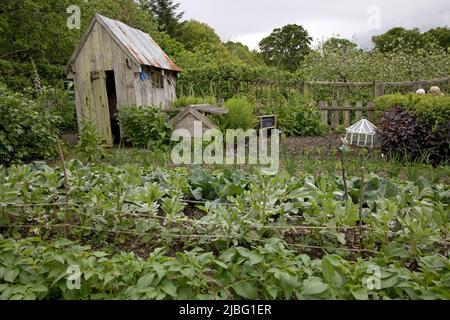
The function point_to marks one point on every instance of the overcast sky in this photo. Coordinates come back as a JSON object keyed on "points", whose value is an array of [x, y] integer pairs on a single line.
{"points": [[248, 21]]}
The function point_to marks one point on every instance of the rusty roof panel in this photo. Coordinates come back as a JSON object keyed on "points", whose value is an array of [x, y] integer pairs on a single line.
{"points": [[140, 45]]}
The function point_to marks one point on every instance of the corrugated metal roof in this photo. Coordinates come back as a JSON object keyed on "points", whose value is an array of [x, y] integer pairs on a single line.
{"points": [[139, 44]]}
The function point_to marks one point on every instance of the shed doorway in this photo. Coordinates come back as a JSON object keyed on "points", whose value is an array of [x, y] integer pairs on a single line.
{"points": [[112, 102]]}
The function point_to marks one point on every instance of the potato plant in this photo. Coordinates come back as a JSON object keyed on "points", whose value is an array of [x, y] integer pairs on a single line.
{"points": [[145, 233]]}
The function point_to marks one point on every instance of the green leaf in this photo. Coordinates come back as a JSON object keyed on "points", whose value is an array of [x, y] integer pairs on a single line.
{"points": [[145, 281], [169, 288], [253, 257], [246, 290], [10, 275], [360, 293], [314, 286], [39, 288]]}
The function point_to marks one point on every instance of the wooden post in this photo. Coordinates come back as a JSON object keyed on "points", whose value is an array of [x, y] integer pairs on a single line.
{"points": [[358, 111], [379, 89], [335, 114], [323, 106], [371, 112], [66, 187], [346, 113]]}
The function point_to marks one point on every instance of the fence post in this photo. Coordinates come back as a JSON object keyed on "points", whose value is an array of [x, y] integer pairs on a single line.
{"points": [[379, 89]]}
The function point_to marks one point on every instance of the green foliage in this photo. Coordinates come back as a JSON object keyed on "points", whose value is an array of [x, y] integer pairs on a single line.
{"points": [[194, 33], [185, 101], [37, 29], [241, 115], [358, 65], [337, 44], [230, 79], [296, 114], [27, 130], [286, 47], [398, 39], [59, 102], [433, 110], [241, 234], [144, 127], [34, 269], [243, 53], [442, 36], [88, 148], [166, 13]]}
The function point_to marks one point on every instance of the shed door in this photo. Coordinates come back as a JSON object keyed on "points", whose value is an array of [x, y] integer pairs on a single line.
{"points": [[98, 79]]}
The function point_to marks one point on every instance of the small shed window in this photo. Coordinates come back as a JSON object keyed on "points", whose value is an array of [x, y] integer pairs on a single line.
{"points": [[155, 76], [157, 79]]}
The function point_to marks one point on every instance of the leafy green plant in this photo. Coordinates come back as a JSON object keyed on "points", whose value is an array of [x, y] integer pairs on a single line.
{"points": [[59, 102], [89, 148], [144, 127], [27, 131], [432, 110], [241, 115], [296, 114]]}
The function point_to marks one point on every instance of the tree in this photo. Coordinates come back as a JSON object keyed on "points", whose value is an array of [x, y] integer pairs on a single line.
{"points": [[286, 47], [442, 36], [336, 44], [194, 33], [166, 13], [401, 39], [243, 53]]}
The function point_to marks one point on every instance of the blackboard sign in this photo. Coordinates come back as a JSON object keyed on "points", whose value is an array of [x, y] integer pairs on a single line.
{"points": [[268, 122]]}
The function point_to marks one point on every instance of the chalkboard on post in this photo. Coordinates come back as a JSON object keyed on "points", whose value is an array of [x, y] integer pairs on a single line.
{"points": [[268, 122]]}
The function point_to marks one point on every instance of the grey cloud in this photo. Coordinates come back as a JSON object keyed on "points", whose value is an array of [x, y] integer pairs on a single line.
{"points": [[250, 20]]}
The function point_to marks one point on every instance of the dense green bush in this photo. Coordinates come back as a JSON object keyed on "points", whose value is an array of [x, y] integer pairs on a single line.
{"points": [[405, 135], [144, 127], [296, 115], [60, 102], [27, 131], [433, 110], [231, 79], [241, 115], [19, 76]]}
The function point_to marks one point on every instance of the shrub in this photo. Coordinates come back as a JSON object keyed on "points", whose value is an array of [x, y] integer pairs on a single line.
{"points": [[296, 115], [241, 115], [403, 134], [59, 102], [88, 148], [144, 127], [27, 131], [185, 101], [433, 110]]}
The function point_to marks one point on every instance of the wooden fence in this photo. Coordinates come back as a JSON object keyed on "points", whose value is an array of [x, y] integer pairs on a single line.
{"points": [[229, 87], [380, 88], [335, 115]]}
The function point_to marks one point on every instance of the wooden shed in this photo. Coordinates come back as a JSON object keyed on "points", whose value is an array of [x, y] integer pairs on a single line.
{"points": [[116, 65]]}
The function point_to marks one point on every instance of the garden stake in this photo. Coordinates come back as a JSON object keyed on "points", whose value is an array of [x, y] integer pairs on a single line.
{"points": [[361, 200], [66, 187]]}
